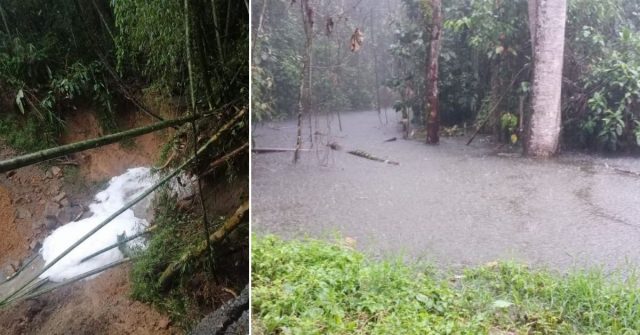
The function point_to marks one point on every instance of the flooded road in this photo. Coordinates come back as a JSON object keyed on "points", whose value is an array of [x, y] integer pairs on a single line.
{"points": [[451, 204]]}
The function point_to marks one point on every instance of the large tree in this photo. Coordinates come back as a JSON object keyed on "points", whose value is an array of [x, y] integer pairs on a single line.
{"points": [[547, 24]]}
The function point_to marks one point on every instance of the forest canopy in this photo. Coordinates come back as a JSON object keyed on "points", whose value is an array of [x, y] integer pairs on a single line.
{"points": [[485, 72]]}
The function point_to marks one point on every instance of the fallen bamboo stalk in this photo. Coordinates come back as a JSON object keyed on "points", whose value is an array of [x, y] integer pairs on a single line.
{"points": [[47, 154], [225, 158], [230, 225], [627, 172], [275, 150], [28, 289], [71, 281], [119, 243], [15, 274], [360, 153], [131, 203]]}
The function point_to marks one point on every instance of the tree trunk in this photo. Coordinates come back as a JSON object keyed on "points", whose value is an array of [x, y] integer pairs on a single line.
{"points": [[432, 116], [305, 93], [548, 53], [375, 67]]}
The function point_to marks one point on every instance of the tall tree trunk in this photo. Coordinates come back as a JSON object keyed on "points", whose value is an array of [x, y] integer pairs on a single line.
{"points": [[548, 54], [305, 94], [258, 31], [432, 115]]}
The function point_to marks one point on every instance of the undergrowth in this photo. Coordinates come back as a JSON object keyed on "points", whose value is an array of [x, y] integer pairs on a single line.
{"points": [[314, 287], [175, 234], [26, 134]]}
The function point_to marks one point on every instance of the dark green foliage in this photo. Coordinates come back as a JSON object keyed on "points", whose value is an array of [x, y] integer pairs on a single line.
{"points": [[26, 134], [48, 61], [312, 287]]}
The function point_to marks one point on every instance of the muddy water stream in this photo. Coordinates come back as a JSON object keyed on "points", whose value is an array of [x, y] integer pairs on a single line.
{"points": [[451, 204]]}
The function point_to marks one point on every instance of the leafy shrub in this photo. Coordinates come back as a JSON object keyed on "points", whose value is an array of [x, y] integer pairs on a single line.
{"points": [[313, 287]]}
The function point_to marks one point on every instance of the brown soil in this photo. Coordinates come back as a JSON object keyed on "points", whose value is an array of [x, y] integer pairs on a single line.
{"points": [[10, 248], [111, 160], [23, 194], [97, 306]]}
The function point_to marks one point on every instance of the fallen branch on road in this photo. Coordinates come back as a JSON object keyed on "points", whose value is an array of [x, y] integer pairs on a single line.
{"points": [[360, 153]]}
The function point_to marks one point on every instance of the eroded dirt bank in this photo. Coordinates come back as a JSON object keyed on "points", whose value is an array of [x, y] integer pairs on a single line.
{"points": [[35, 200], [452, 204]]}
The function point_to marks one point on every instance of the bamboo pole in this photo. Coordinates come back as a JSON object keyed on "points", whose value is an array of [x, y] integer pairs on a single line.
{"points": [[217, 29], [70, 281], [225, 158], [194, 130], [47, 154], [26, 265], [119, 243], [230, 225], [275, 150], [131, 203]]}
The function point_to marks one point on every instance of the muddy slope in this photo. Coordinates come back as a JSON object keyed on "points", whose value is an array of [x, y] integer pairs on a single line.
{"points": [[35, 200]]}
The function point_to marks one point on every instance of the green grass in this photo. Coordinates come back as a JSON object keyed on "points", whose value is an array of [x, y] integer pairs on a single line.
{"points": [[314, 287]]}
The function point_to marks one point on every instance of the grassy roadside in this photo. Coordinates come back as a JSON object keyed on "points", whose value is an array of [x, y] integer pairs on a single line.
{"points": [[314, 287]]}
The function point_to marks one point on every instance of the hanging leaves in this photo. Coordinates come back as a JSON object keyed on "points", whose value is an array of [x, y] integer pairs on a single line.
{"points": [[356, 40]]}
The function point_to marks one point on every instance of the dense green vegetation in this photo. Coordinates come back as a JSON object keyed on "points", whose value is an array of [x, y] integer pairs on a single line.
{"points": [[485, 65], [56, 57], [313, 287], [45, 67]]}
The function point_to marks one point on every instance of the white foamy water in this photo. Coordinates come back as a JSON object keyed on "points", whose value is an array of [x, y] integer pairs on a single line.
{"points": [[121, 190]]}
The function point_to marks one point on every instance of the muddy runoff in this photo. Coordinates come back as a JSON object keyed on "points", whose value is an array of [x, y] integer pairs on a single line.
{"points": [[452, 205]]}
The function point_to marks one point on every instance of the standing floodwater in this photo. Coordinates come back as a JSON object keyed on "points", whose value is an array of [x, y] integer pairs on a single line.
{"points": [[452, 204]]}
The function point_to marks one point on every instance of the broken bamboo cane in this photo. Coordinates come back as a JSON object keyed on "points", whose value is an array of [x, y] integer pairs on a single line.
{"points": [[230, 225], [275, 150], [47, 154], [93, 272]]}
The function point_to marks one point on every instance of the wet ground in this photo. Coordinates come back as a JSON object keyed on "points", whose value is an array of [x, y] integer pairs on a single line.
{"points": [[451, 204]]}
